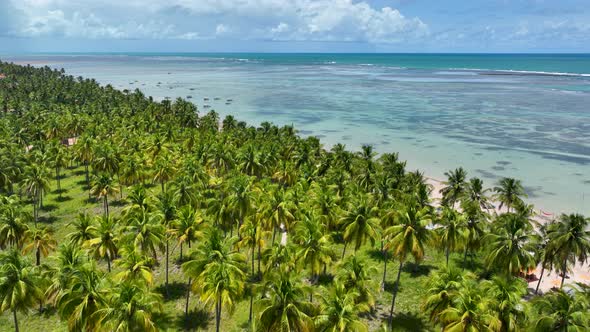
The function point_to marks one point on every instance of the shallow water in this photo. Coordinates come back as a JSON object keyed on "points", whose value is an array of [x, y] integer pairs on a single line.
{"points": [[525, 116]]}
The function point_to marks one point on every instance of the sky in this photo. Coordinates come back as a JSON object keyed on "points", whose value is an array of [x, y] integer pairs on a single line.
{"points": [[450, 26]]}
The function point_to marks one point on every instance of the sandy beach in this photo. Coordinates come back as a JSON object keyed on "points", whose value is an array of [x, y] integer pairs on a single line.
{"points": [[579, 273]]}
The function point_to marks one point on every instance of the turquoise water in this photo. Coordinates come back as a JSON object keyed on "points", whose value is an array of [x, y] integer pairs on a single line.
{"points": [[525, 116]]}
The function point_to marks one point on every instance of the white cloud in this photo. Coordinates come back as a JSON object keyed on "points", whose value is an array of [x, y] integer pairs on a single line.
{"points": [[334, 20]]}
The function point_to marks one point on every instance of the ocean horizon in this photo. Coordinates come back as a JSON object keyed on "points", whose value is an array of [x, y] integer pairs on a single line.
{"points": [[519, 115]]}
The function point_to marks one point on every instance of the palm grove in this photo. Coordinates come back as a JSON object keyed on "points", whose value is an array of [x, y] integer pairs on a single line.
{"points": [[155, 215]]}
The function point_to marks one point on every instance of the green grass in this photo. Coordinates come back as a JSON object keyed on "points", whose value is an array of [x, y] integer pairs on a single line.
{"points": [[58, 212]]}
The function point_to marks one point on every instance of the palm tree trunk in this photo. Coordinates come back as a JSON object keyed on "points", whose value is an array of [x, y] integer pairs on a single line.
{"points": [[251, 304], [395, 289], [259, 256], [167, 256], [38, 256], [218, 314], [540, 277], [180, 251], [564, 272], [274, 233], [344, 250], [384, 270], [87, 174], [447, 254], [464, 258], [109, 263], [106, 206], [15, 320], [188, 295], [58, 180], [162, 184], [252, 258]]}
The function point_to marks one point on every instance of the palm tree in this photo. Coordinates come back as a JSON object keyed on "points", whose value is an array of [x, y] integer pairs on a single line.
{"points": [[104, 244], [475, 192], [19, 284], [146, 232], [135, 265], [166, 207], [339, 311], [443, 287], [283, 307], [186, 227], [452, 232], [512, 245], [408, 237], [467, 312], [505, 303], [561, 311], [314, 243], [355, 275], [13, 227], [36, 183], [164, 169], [84, 229], [103, 187], [60, 159], [129, 307], [84, 296], [545, 251], [360, 224], [455, 187], [41, 241], [84, 152], [509, 192], [218, 273], [570, 241]]}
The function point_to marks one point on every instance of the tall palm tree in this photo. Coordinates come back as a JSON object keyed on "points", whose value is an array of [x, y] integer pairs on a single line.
{"points": [[135, 266], [164, 169], [509, 192], [360, 224], [408, 237], [467, 312], [84, 152], [355, 275], [104, 245], [512, 245], [85, 295], [314, 245], [218, 273], [167, 211], [36, 184], [129, 307], [570, 241], [41, 242], [443, 287], [505, 303], [561, 311], [339, 311], [83, 227], [476, 193], [19, 284], [451, 232], [283, 307], [13, 226], [60, 159], [102, 187], [455, 187], [186, 227], [146, 232]]}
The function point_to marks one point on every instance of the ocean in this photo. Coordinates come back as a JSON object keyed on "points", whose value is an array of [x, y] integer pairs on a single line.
{"points": [[520, 115]]}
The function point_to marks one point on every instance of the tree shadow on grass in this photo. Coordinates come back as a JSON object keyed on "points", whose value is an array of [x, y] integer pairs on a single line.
{"points": [[408, 321], [389, 286], [47, 219], [118, 203], [325, 279], [79, 172], [62, 199], [82, 183], [90, 200], [418, 270], [197, 319], [49, 207], [59, 191], [176, 290]]}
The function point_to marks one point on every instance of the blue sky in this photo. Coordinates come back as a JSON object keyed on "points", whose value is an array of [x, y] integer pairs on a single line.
{"points": [[294, 26]]}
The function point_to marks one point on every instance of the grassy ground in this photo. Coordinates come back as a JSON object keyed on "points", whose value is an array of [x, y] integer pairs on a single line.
{"points": [[59, 211]]}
